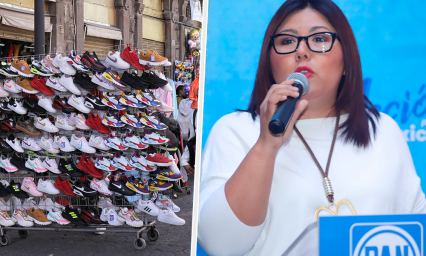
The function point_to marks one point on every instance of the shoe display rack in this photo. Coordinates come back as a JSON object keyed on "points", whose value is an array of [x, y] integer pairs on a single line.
{"points": [[82, 145]]}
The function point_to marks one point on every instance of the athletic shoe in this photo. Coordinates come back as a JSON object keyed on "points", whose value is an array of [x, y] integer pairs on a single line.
{"points": [[111, 101], [158, 185], [120, 187], [4, 147], [79, 121], [21, 218], [63, 144], [113, 60], [67, 82], [16, 106], [111, 217], [133, 141], [85, 164], [62, 122], [48, 145], [92, 217], [147, 206], [62, 105], [65, 67], [121, 162], [112, 77], [14, 143], [8, 125], [102, 82], [152, 122], [81, 144], [73, 216], [62, 203], [45, 125], [78, 103], [53, 82], [47, 187], [46, 204], [83, 189], [5, 69], [147, 99], [51, 165], [167, 175], [173, 167], [38, 69], [10, 85], [47, 63], [130, 217], [158, 159], [35, 165], [24, 124], [164, 202], [129, 99], [96, 123], [46, 103], [166, 87], [169, 217], [101, 187], [7, 165], [69, 168], [75, 61], [140, 162], [64, 186], [115, 143], [15, 189], [3, 193], [132, 80], [56, 216], [19, 160], [84, 81], [3, 93], [112, 121], [154, 139], [98, 142], [29, 203], [38, 217], [23, 84], [137, 187], [92, 61], [131, 57], [104, 164], [106, 203], [4, 108], [5, 219], [40, 84], [151, 80], [32, 105], [21, 67], [153, 58], [94, 102], [131, 120]]}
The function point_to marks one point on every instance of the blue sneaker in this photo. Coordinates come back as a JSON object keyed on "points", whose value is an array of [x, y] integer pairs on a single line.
{"points": [[147, 99], [112, 121], [131, 120], [129, 99], [111, 101]]}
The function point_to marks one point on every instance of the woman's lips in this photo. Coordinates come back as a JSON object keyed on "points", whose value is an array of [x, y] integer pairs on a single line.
{"points": [[307, 71]]}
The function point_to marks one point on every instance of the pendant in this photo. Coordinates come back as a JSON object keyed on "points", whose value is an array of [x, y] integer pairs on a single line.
{"points": [[327, 208]]}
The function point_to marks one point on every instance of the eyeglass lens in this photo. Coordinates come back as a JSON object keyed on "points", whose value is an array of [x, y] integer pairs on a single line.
{"points": [[319, 42]]}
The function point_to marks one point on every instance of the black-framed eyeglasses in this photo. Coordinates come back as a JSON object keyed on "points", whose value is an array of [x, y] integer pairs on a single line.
{"points": [[318, 42]]}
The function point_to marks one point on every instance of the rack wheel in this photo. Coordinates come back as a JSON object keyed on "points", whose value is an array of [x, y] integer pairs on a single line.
{"points": [[188, 192], [5, 240], [140, 244], [153, 234], [23, 233]]}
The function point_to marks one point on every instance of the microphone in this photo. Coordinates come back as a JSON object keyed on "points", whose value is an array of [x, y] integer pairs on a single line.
{"points": [[281, 118]]}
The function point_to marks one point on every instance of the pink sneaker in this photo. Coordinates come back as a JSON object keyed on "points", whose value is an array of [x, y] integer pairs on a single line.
{"points": [[29, 186], [3, 93], [47, 63]]}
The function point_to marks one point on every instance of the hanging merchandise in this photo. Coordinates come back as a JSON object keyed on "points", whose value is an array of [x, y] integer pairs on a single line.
{"points": [[194, 41], [193, 93], [196, 13]]}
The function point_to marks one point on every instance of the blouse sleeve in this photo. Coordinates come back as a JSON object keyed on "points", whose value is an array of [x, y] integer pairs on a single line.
{"points": [[220, 232]]}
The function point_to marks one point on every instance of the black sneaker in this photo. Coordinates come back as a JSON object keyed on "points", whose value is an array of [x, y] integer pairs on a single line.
{"points": [[5, 70], [151, 80], [132, 80], [84, 81], [92, 61], [176, 187], [62, 105], [4, 108], [15, 189], [32, 105], [92, 217], [94, 102], [73, 216], [82, 188], [120, 187], [69, 168], [19, 161], [9, 126], [4, 147], [3, 190]]}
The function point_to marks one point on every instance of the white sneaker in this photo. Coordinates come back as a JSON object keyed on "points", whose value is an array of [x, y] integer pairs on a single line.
{"points": [[169, 217], [75, 61], [5, 219], [56, 216], [130, 217], [98, 142], [63, 65], [10, 85], [67, 82], [14, 143], [62, 122], [45, 125], [166, 87], [63, 144], [53, 82], [46, 103], [173, 167], [35, 165], [114, 61], [133, 141], [21, 218], [16, 106], [78, 103], [99, 80], [79, 121], [147, 206], [30, 144], [46, 204], [100, 186], [5, 164], [111, 217], [81, 144], [51, 165], [104, 164], [164, 202], [28, 203], [47, 187], [47, 144]]}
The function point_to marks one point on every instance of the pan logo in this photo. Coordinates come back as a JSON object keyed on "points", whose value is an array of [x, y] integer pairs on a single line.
{"points": [[386, 239]]}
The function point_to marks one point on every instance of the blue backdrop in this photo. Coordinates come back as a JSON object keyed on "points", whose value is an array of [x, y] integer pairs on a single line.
{"points": [[391, 40]]}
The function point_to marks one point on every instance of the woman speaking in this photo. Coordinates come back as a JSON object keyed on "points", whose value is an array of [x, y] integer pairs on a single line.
{"points": [[260, 191]]}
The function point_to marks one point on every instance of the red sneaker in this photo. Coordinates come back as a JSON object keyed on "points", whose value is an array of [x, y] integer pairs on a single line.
{"points": [[131, 57], [62, 203], [86, 165], [40, 84], [64, 186], [158, 159], [96, 123]]}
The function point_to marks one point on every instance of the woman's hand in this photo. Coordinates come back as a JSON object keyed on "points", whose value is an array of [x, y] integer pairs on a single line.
{"points": [[277, 93]]}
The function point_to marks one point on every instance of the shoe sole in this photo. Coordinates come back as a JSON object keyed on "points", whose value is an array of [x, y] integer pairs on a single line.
{"points": [[20, 72], [26, 131], [38, 222], [158, 164], [25, 90]]}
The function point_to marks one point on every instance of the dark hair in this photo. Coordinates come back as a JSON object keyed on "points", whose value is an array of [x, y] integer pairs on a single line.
{"points": [[179, 88], [350, 94]]}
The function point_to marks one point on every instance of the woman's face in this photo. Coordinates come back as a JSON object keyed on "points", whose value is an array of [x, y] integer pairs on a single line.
{"points": [[327, 67]]}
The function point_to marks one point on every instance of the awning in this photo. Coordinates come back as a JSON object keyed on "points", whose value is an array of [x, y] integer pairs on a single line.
{"points": [[22, 20], [104, 32]]}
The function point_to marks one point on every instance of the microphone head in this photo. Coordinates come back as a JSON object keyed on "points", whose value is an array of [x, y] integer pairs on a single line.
{"points": [[301, 79]]}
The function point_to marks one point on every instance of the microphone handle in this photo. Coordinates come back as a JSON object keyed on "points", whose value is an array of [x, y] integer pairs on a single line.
{"points": [[282, 117]]}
